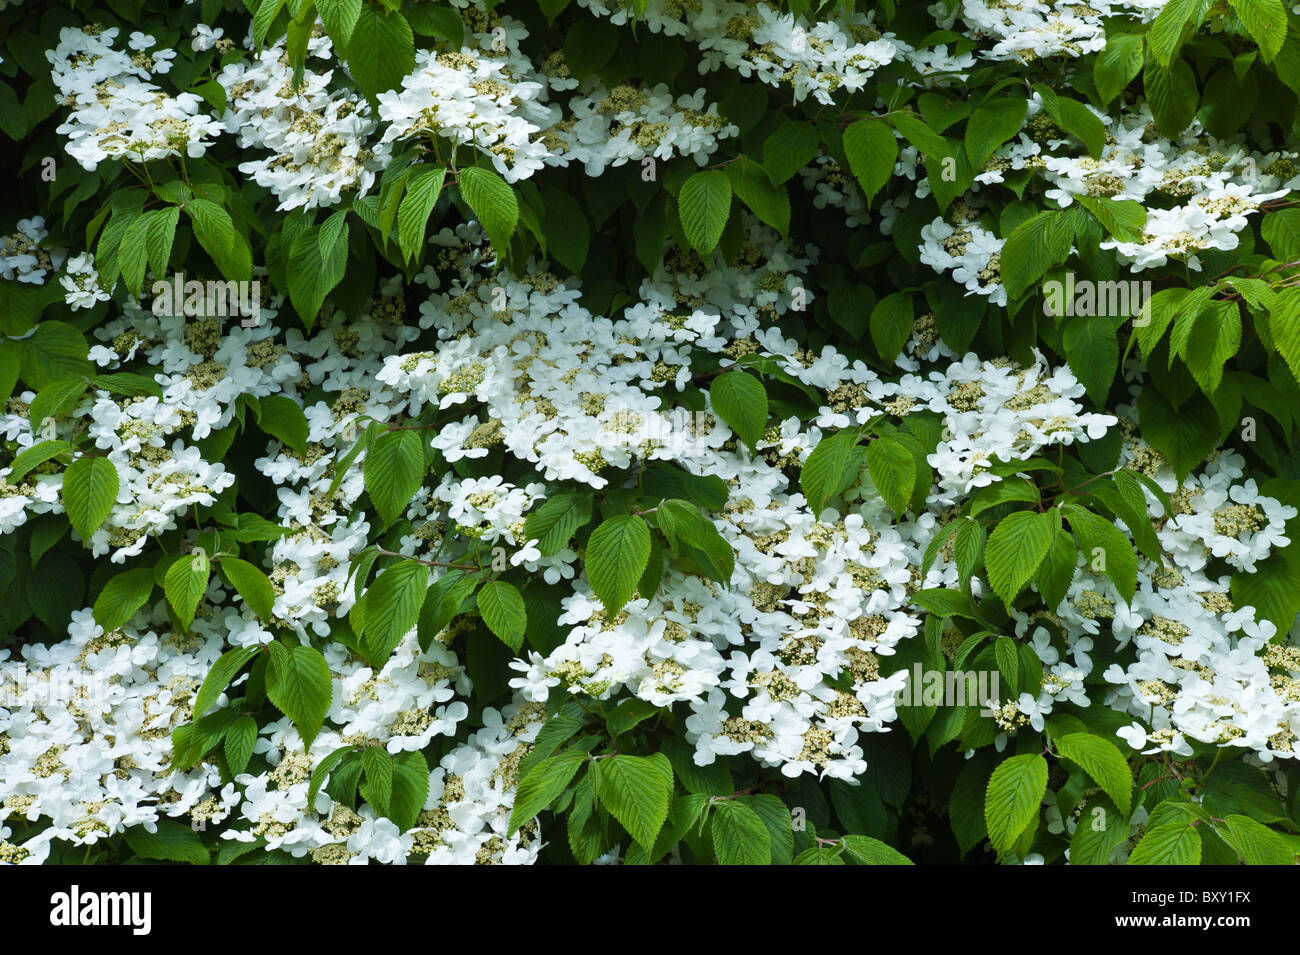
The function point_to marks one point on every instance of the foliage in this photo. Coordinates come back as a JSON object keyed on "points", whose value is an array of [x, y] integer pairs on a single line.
{"points": [[581, 431]]}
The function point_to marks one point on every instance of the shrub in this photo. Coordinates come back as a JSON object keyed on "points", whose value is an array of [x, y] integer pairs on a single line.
{"points": [[697, 431]]}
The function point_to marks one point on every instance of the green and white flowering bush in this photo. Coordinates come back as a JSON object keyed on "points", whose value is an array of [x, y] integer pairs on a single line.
{"points": [[472, 432]]}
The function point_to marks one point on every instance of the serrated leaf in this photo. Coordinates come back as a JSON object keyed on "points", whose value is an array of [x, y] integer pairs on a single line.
{"points": [[394, 470], [299, 683], [1011, 801], [252, 584], [90, 487], [1015, 549], [492, 201], [503, 611], [185, 584], [741, 401], [704, 205], [872, 150], [617, 553], [122, 596]]}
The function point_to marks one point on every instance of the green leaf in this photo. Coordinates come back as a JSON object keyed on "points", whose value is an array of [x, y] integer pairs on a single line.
{"points": [[872, 150], [1103, 541], [422, 189], [1015, 549], [567, 230], [636, 790], [172, 842], [394, 470], [1011, 801], [891, 468], [752, 185], [1056, 572], [185, 584], [1170, 843], [282, 418], [831, 468], [503, 611], [966, 805], [391, 607], [55, 350], [1102, 760], [1266, 22], [1098, 834], [991, 125], [1092, 351], [789, 148], [56, 398], [223, 671], [617, 553], [891, 324], [1172, 25], [1171, 94], [442, 602], [311, 275], [492, 201], [1185, 436], [378, 767], [240, 740], [89, 491], [34, 457], [741, 401], [1031, 249], [410, 789], [252, 584], [739, 835], [122, 597], [1117, 65], [1258, 844], [704, 205], [340, 18], [298, 682], [381, 51], [868, 851], [680, 521], [553, 523], [543, 784]]}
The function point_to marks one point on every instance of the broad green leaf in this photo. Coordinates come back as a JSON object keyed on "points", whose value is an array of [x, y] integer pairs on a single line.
{"points": [[223, 671], [252, 584], [1170, 843], [422, 189], [1015, 549], [617, 553], [543, 784], [503, 611], [741, 401], [1102, 760], [739, 834], [868, 851], [636, 790], [1012, 799], [831, 468], [391, 607], [90, 487], [890, 465], [991, 125], [394, 469], [185, 584], [122, 596], [299, 683], [553, 523], [282, 418], [704, 205], [381, 51], [492, 201], [872, 150]]}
